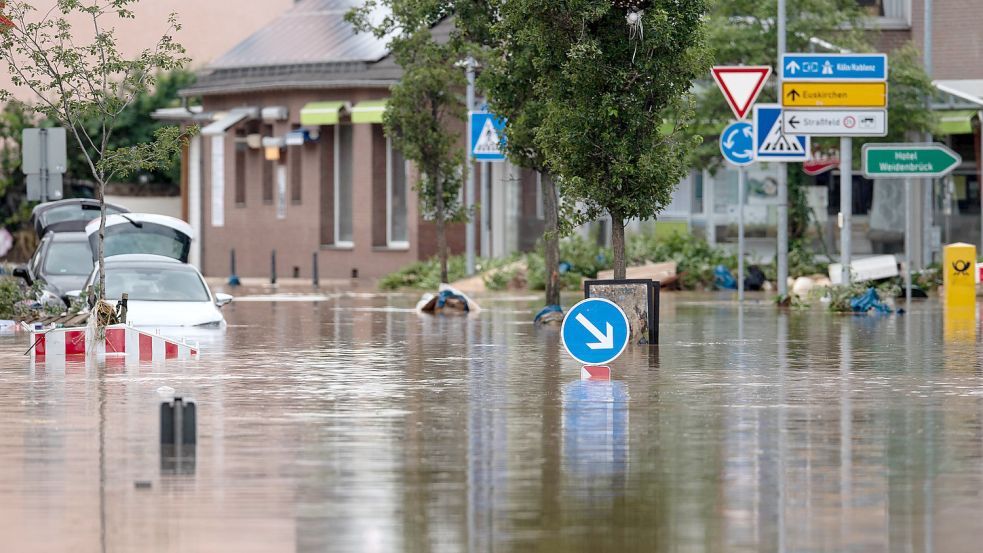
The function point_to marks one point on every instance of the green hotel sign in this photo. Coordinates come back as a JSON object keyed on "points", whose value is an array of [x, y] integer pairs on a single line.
{"points": [[908, 160]]}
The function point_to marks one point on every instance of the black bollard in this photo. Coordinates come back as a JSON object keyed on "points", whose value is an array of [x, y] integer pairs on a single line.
{"points": [[314, 274], [233, 277], [273, 267], [178, 436]]}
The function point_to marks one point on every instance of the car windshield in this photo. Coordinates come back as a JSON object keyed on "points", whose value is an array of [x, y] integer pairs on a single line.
{"points": [[68, 258], [155, 284]]}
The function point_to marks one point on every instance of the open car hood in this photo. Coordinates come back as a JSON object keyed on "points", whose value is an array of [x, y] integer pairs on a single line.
{"points": [[70, 215], [142, 233]]}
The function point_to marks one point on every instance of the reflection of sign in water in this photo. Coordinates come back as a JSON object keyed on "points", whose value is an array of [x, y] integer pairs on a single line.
{"points": [[595, 433]]}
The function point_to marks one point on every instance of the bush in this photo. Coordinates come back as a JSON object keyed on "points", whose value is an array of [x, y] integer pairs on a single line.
{"points": [[695, 258]]}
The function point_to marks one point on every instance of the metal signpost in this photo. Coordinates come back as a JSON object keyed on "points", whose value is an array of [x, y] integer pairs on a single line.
{"points": [[486, 134], [595, 331], [847, 96], [44, 161], [908, 161], [740, 86]]}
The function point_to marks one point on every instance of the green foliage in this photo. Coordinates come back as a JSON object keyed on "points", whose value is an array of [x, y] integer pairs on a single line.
{"points": [[14, 208], [135, 130], [19, 301], [695, 259], [604, 93]]}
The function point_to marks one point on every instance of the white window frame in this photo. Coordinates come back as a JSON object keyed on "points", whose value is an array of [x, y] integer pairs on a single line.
{"points": [[398, 244], [337, 191]]}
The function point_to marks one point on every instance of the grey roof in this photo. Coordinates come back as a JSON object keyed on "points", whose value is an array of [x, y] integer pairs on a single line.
{"points": [[310, 46], [313, 31]]}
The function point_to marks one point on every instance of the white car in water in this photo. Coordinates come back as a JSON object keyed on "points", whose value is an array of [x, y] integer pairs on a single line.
{"points": [[161, 292]]}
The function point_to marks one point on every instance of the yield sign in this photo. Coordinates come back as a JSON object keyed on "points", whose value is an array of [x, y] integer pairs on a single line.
{"points": [[741, 85]]}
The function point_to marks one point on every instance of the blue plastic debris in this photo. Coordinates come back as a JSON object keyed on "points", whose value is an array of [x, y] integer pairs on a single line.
{"points": [[867, 301], [446, 295], [723, 279], [565, 267], [546, 311]]}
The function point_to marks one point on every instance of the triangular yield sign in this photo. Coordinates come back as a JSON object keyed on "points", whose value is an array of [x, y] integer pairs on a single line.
{"points": [[741, 85]]}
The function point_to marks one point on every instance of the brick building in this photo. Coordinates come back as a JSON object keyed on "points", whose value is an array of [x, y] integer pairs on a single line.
{"points": [[292, 157]]}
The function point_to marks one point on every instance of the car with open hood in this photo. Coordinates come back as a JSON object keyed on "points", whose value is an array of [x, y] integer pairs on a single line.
{"points": [[161, 292], [142, 233]]}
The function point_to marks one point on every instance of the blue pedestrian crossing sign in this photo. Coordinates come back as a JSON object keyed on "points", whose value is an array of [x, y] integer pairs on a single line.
{"points": [[770, 141], [487, 137], [595, 331], [737, 143]]}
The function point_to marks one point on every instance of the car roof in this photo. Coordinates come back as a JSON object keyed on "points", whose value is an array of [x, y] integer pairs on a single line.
{"points": [[70, 237]]}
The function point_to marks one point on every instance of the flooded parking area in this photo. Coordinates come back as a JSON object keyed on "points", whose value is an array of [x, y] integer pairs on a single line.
{"points": [[347, 422]]}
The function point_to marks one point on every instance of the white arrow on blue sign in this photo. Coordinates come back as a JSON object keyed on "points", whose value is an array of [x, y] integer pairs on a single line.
{"points": [[595, 331], [487, 137], [737, 143], [834, 67]]}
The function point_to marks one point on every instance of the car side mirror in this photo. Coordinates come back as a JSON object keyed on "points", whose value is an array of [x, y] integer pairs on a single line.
{"points": [[222, 300], [21, 272]]}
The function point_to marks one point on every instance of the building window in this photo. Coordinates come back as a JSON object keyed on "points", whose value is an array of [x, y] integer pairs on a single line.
{"points": [[396, 209], [887, 12], [296, 158], [240, 169], [326, 157], [267, 170], [343, 186]]}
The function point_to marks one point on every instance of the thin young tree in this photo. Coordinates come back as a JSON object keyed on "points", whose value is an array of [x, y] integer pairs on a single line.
{"points": [[68, 57], [610, 73], [425, 112]]}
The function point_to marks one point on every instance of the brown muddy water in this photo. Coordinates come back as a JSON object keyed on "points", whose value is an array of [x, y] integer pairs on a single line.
{"points": [[353, 424]]}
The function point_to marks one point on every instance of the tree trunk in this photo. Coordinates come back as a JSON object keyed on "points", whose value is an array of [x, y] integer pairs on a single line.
{"points": [[618, 244], [101, 293], [441, 231], [552, 212]]}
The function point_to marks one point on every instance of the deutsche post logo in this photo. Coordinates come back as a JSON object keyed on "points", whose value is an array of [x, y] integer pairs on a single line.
{"points": [[961, 267]]}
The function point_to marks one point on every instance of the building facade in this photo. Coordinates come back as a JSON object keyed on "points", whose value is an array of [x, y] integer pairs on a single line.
{"points": [[292, 159]]}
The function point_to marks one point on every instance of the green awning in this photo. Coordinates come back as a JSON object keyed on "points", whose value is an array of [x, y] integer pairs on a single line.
{"points": [[956, 122], [369, 111], [321, 113]]}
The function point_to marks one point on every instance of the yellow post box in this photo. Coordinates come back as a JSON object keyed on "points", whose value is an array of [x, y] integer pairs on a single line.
{"points": [[959, 280]]}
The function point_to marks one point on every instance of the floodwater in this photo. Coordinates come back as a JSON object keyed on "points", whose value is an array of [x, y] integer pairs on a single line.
{"points": [[353, 424]]}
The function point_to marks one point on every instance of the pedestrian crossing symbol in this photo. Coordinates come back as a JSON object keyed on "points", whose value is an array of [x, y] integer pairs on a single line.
{"points": [[487, 137], [771, 143]]}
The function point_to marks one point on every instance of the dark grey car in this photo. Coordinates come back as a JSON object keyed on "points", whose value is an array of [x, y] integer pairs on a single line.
{"points": [[63, 261]]}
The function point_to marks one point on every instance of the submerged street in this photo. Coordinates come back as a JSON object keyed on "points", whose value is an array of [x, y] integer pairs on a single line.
{"points": [[353, 423]]}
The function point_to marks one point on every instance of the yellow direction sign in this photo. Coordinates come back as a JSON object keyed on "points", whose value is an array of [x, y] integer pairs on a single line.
{"points": [[845, 95]]}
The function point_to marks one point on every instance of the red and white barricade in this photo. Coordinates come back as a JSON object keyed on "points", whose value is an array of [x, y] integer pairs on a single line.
{"points": [[121, 341]]}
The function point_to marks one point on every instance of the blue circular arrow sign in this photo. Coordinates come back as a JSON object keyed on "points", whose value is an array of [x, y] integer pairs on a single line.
{"points": [[595, 331], [737, 143]]}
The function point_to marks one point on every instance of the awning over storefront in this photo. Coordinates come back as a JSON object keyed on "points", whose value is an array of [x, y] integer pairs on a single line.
{"points": [[956, 122], [968, 90], [321, 113], [230, 118], [369, 111]]}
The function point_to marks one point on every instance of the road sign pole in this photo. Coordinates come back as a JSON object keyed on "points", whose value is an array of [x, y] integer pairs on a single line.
{"points": [[846, 204], [907, 238], [740, 234], [782, 174], [44, 165], [469, 192]]}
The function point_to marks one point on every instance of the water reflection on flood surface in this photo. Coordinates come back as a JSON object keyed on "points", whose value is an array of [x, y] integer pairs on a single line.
{"points": [[352, 424]]}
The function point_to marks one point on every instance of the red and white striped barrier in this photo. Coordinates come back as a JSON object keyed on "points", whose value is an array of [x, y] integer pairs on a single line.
{"points": [[121, 340], [595, 373]]}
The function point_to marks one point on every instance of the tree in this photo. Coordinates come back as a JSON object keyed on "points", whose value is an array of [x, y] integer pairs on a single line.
{"points": [[608, 77], [14, 209], [424, 108], [508, 78], [81, 79], [742, 32]]}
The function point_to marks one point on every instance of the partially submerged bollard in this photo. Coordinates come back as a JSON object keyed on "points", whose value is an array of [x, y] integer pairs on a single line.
{"points": [[178, 436], [273, 267], [314, 273], [233, 277]]}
